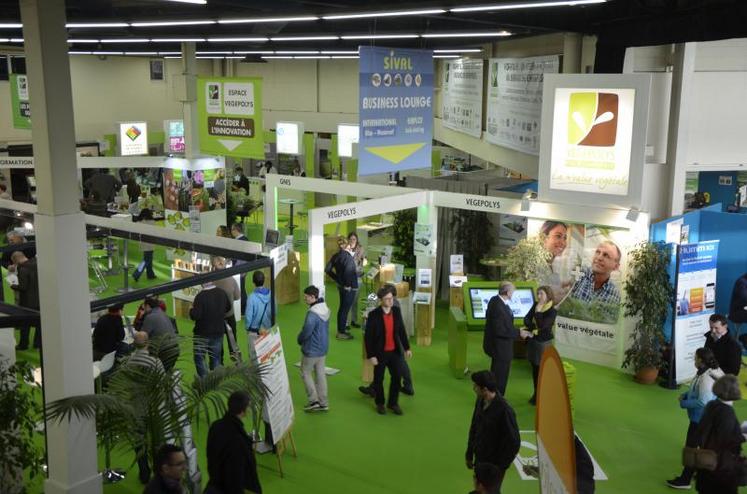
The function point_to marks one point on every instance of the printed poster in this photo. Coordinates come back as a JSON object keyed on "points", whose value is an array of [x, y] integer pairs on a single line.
{"points": [[230, 116], [515, 101], [462, 96], [696, 301], [423, 241], [585, 275], [279, 404], [19, 101], [396, 109], [592, 140]]}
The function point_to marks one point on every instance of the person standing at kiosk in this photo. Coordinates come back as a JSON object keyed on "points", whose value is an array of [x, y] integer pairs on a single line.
{"points": [[500, 333]]}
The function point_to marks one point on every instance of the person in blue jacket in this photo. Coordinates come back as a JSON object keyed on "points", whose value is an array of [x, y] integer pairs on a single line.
{"points": [[694, 400], [314, 341], [257, 317]]}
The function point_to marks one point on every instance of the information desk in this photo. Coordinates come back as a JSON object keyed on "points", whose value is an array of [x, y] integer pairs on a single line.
{"points": [[477, 295]]}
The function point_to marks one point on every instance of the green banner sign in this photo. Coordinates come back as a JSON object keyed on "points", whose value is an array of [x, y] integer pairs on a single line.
{"points": [[19, 101], [230, 113]]}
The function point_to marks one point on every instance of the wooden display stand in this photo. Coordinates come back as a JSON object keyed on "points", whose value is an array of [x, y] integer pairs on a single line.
{"points": [[183, 298], [386, 274], [287, 283], [423, 326], [456, 295], [403, 289], [282, 445]]}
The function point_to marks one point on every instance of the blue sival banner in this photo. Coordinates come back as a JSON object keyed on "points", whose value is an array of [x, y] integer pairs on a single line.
{"points": [[396, 109]]}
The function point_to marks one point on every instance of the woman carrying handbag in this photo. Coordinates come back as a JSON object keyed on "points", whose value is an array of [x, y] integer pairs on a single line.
{"points": [[539, 320]]}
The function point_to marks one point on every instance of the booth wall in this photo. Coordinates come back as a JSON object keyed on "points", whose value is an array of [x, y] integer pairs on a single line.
{"points": [[723, 194]]}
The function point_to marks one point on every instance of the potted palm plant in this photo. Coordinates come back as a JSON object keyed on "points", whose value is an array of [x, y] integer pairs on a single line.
{"points": [[145, 405], [648, 297]]}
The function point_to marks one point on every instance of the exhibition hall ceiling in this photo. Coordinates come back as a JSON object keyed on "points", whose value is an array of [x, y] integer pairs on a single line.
{"points": [[158, 26]]}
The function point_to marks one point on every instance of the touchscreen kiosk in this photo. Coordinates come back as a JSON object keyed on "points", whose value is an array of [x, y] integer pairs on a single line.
{"points": [[477, 295]]}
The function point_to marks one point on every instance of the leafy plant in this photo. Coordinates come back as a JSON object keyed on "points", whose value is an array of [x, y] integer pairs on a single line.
{"points": [[20, 410], [404, 232], [648, 297], [528, 260], [473, 237], [145, 405]]}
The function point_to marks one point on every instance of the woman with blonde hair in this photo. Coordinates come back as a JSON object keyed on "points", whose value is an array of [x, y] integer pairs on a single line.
{"points": [[539, 321]]}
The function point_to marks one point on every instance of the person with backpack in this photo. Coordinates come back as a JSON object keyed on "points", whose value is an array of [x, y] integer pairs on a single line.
{"points": [[493, 433], [314, 341], [257, 316]]}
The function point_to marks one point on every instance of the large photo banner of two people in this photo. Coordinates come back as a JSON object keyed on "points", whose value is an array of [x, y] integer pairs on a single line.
{"points": [[586, 271]]}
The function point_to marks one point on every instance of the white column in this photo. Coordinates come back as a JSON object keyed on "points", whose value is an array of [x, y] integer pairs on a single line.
{"points": [[679, 116], [572, 44], [61, 247], [189, 100]]}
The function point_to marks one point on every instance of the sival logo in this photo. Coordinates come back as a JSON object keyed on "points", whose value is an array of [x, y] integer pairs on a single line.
{"points": [[592, 119], [397, 63], [133, 133]]}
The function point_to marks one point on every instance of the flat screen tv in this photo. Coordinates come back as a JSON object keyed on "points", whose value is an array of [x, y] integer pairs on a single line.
{"points": [[477, 295]]}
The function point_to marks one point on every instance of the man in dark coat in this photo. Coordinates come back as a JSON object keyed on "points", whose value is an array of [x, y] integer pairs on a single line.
{"points": [[499, 336], [170, 463], [725, 348], [494, 433], [208, 312], [109, 333], [28, 294], [230, 457], [386, 342], [342, 269]]}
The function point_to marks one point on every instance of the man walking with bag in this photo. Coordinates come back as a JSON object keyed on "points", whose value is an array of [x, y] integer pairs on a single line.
{"points": [[314, 341]]}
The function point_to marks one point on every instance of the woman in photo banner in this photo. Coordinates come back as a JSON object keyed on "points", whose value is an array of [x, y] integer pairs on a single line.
{"points": [[563, 242]]}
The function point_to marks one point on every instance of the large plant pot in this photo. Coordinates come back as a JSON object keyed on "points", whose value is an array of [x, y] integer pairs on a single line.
{"points": [[647, 375]]}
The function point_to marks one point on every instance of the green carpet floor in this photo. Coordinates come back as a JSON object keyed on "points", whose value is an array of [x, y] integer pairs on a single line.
{"points": [[635, 432]]}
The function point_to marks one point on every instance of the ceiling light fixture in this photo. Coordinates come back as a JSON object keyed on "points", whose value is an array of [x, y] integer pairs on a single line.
{"points": [[172, 23], [173, 56], [299, 52], [526, 5], [273, 57], [445, 56], [83, 41], [178, 40], [364, 15], [254, 52], [170, 53], [78, 52], [10, 25], [304, 38], [125, 40], [142, 53], [341, 52], [229, 40], [84, 25], [198, 2], [309, 57], [16, 40], [465, 50], [107, 53], [260, 20], [213, 53], [466, 35], [379, 36], [343, 57]]}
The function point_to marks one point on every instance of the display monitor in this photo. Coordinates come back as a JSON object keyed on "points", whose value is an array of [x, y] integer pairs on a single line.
{"points": [[477, 295], [272, 237]]}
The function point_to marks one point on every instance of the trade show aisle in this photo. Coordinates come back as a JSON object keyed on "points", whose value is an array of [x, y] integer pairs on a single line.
{"points": [[635, 432]]}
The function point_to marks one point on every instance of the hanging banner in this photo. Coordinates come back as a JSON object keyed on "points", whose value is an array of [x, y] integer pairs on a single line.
{"points": [[19, 101], [279, 404], [396, 109], [462, 96], [585, 273], [696, 301], [230, 116], [594, 138], [515, 101]]}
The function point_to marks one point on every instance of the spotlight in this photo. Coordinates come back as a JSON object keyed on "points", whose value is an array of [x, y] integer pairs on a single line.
{"points": [[28, 226]]}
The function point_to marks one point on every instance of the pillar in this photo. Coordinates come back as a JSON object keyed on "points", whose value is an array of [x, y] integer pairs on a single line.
{"points": [[189, 101], [679, 116], [61, 248]]}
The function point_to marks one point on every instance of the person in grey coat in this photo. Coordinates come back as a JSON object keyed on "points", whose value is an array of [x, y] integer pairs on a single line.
{"points": [[314, 341]]}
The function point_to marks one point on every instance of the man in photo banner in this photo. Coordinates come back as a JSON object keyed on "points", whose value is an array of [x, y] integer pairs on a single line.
{"points": [[594, 297]]}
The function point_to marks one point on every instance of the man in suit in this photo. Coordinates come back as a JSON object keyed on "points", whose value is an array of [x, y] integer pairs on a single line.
{"points": [[724, 346], [386, 342], [499, 336]]}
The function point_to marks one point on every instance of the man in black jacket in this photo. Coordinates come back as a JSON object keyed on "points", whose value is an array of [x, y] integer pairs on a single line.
{"points": [[499, 336], [28, 294], [170, 463], [341, 268], [109, 332], [208, 312], [493, 433], [230, 457], [386, 342], [725, 348]]}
